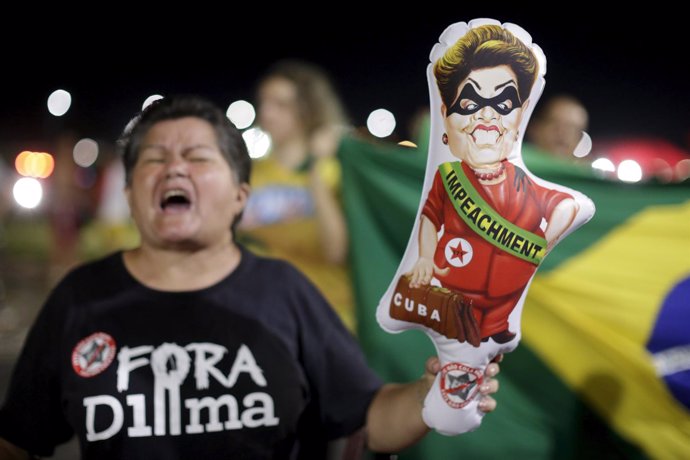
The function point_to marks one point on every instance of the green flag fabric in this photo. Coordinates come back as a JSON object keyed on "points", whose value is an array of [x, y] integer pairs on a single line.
{"points": [[603, 369]]}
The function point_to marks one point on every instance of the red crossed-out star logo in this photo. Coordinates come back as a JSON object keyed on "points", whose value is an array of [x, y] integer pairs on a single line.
{"points": [[459, 384], [458, 252], [93, 354]]}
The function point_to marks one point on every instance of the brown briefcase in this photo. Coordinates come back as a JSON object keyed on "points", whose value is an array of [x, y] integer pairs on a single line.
{"points": [[447, 312]]}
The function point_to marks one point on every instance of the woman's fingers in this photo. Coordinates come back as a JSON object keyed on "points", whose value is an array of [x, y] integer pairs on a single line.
{"points": [[487, 404], [492, 370], [433, 365], [489, 387]]}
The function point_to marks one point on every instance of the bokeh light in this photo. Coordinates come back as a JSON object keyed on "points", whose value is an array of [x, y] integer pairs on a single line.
{"points": [[682, 170], [85, 152], [381, 123], [629, 171], [34, 164], [662, 170], [584, 146], [241, 114], [27, 192], [258, 142], [604, 165], [59, 102]]}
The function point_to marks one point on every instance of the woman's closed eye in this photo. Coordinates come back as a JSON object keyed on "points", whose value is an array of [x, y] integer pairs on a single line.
{"points": [[152, 158]]}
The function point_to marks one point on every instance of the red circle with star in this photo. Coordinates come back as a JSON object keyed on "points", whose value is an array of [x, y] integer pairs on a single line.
{"points": [[458, 252], [459, 384], [93, 354]]}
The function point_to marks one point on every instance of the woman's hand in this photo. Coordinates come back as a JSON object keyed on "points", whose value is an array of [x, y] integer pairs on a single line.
{"points": [[324, 141], [487, 388], [394, 419]]}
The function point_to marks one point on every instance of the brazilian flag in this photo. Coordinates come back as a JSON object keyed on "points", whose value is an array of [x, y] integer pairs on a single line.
{"points": [[603, 369]]}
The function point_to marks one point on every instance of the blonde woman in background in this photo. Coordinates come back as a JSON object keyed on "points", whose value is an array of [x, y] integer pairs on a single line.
{"points": [[294, 211]]}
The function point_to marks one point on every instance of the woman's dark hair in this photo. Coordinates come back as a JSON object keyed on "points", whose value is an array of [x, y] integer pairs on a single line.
{"points": [[230, 140]]}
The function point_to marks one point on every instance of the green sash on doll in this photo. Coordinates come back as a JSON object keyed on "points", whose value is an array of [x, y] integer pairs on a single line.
{"points": [[485, 220]]}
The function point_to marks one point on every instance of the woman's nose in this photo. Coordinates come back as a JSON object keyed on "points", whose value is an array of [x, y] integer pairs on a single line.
{"points": [[176, 167]]}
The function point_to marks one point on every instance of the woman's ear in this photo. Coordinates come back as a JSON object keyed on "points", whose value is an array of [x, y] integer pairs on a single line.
{"points": [[243, 192], [444, 109]]}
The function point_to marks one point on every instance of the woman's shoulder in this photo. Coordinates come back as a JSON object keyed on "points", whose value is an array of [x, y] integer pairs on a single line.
{"points": [[277, 276], [278, 282], [106, 271], [108, 263], [266, 267], [90, 280]]}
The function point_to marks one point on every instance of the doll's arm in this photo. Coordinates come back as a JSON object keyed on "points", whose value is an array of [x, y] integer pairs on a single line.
{"points": [[424, 268], [561, 219]]}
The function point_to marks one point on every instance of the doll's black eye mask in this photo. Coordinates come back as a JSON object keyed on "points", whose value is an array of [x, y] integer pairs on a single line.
{"points": [[503, 103]]}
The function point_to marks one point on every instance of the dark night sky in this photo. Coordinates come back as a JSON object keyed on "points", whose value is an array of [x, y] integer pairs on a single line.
{"points": [[630, 72]]}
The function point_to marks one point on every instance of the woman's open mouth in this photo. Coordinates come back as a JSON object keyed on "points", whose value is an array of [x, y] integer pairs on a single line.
{"points": [[175, 200]]}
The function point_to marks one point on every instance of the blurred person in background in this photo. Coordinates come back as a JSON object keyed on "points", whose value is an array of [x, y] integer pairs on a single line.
{"points": [[112, 228], [68, 208], [294, 211], [557, 125], [189, 346]]}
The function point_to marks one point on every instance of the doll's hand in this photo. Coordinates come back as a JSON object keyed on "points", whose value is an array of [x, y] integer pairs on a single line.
{"points": [[421, 273]]}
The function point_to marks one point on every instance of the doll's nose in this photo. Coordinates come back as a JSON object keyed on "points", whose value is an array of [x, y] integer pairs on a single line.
{"points": [[487, 113]]}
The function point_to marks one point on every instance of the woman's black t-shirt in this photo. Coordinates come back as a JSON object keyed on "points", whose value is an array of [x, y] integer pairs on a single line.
{"points": [[255, 366]]}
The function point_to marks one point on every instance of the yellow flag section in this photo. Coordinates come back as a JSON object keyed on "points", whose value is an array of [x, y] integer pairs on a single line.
{"points": [[591, 318]]}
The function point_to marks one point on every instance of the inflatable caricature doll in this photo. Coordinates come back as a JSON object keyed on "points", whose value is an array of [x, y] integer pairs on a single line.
{"points": [[485, 222]]}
